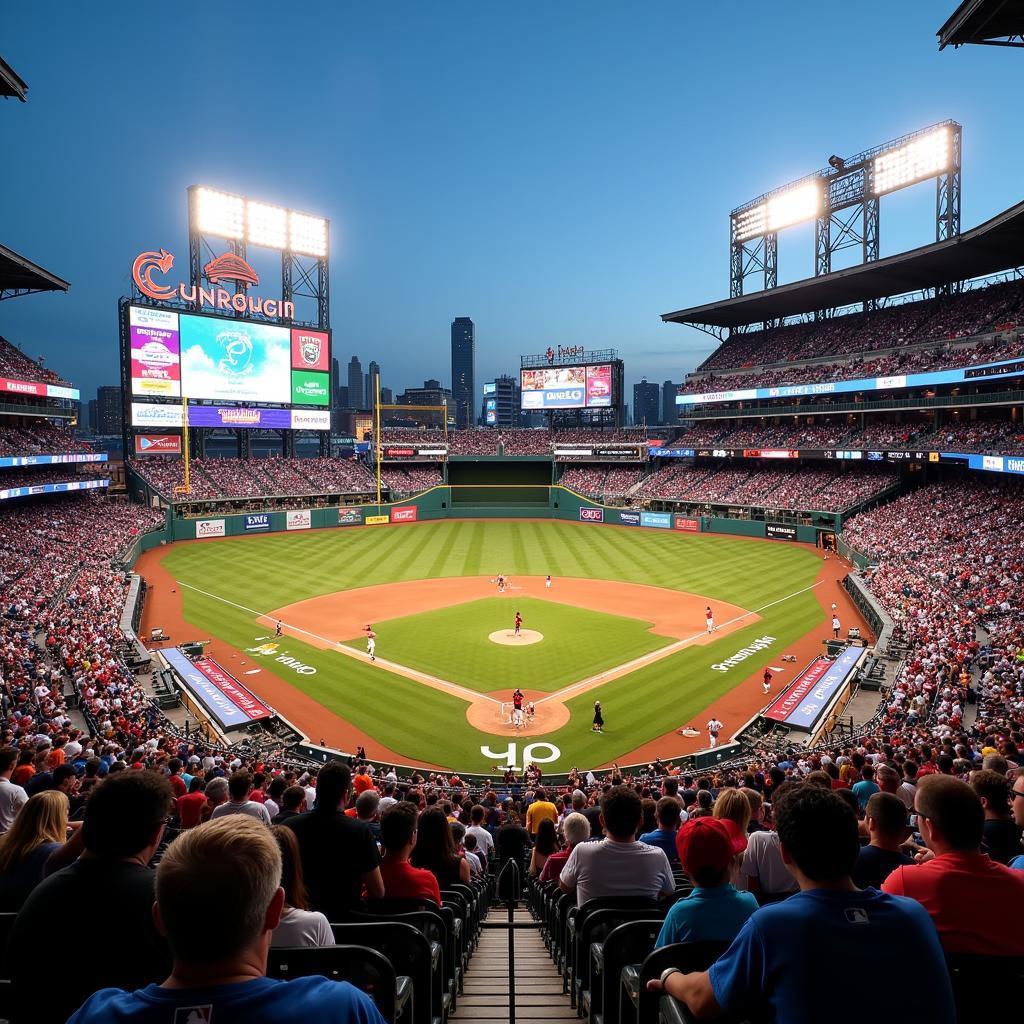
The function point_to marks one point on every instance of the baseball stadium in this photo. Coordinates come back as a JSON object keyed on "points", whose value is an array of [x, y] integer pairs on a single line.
{"points": [[515, 649]]}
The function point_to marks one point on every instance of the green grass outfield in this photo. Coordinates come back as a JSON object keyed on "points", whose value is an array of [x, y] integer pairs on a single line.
{"points": [[453, 644], [248, 576]]}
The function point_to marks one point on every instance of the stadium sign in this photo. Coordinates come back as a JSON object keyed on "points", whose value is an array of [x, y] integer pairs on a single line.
{"points": [[36, 389], [52, 460], [404, 514], [299, 519], [257, 523], [350, 517], [658, 520], [563, 352], [813, 701], [209, 528], [628, 518], [761, 644], [686, 524], [780, 531], [377, 520], [153, 264], [73, 485], [157, 444], [592, 515]]}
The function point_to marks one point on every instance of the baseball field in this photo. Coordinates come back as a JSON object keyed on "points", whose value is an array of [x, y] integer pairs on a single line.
{"points": [[623, 621]]}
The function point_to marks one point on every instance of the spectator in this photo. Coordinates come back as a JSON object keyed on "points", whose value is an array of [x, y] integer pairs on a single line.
{"points": [[299, 926], [239, 789], [366, 812], [124, 825], [484, 839], [545, 845], [12, 797], [512, 841], [866, 788], [763, 869], [575, 830], [1000, 833], [435, 850], [790, 959], [707, 848], [398, 837], [618, 865], [1017, 802], [192, 807], [293, 803], [886, 820], [216, 795], [732, 805], [339, 857], [669, 812], [540, 810], [954, 878], [218, 973], [40, 828]]}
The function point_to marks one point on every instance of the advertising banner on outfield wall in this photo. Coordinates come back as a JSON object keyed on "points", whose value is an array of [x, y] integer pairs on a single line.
{"points": [[404, 514], [258, 523], [591, 515], [682, 523], [780, 531], [629, 518], [299, 519], [377, 520], [659, 520], [350, 517], [209, 528]]}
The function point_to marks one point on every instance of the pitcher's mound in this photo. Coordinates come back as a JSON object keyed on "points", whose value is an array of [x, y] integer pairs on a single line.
{"points": [[508, 637]]}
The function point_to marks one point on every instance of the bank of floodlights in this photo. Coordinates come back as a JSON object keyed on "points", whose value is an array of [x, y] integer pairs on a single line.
{"points": [[800, 203], [924, 157], [273, 227]]}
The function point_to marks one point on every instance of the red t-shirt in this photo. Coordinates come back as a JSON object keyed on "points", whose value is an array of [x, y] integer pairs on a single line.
{"points": [[404, 882], [178, 785], [957, 889], [190, 809], [553, 866]]}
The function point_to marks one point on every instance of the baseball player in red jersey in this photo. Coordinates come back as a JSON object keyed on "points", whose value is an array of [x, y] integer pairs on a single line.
{"points": [[517, 708], [519, 623], [710, 616]]}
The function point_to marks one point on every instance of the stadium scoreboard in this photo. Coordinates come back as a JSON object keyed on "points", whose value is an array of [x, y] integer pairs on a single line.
{"points": [[570, 378]]}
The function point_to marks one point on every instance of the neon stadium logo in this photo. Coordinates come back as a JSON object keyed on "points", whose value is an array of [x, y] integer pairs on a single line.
{"points": [[226, 267]]}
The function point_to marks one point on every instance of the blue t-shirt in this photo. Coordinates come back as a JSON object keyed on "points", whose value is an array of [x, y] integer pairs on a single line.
{"points": [[707, 915], [1018, 863], [664, 841], [791, 959], [864, 791], [261, 1001]]}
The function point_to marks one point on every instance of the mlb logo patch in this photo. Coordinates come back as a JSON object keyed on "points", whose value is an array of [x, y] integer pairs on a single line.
{"points": [[194, 1014]]}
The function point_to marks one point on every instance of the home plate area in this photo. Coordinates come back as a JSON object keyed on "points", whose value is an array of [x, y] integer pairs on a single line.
{"points": [[509, 638]]}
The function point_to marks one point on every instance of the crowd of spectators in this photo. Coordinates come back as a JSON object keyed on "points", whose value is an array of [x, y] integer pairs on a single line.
{"points": [[18, 366], [513, 441], [40, 439], [410, 477], [600, 479], [244, 478], [36, 476], [945, 318], [822, 490]]}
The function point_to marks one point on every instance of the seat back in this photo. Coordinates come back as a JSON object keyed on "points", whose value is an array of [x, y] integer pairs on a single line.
{"points": [[687, 956], [627, 943], [365, 968], [978, 980], [6, 924]]}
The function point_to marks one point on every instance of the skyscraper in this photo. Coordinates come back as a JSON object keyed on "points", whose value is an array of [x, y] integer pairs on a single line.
{"points": [[356, 391], [108, 411], [645, 404], [335, 383], [372, 382], [669, 410], [463, 364]]}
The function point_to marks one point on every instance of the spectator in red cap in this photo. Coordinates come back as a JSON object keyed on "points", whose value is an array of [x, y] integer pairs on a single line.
{"points": [[715, 911]]}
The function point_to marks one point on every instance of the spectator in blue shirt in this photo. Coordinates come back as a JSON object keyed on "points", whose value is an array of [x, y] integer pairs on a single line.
{"points": [[1017, 807], [714, 911], [792, 959], [866, 788], [233, 866], [669, 813]]}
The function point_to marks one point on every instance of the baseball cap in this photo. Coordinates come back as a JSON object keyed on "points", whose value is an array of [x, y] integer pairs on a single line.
{"points": [[709, 842]]}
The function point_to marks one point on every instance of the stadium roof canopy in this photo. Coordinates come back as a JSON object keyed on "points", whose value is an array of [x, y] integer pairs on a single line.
{"points": [[994, 246], [12, 85], [19, 276], [985, 22]]}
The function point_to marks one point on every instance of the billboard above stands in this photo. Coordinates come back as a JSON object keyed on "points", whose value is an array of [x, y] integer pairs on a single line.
{"points": [[157, 444], [154, 414], [11, 386], [310, 388], [71, 485], [974, 374], [566, 387], [74, 458], [658, 520], [671, 453], [155, 351]]}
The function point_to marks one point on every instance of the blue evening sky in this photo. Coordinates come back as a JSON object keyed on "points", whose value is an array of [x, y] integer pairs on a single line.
{"points": [[561, 172]]}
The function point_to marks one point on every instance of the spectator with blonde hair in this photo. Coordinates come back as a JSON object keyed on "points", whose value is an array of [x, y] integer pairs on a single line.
{"points": [[733, 806], [233, 864], [39, 829]]}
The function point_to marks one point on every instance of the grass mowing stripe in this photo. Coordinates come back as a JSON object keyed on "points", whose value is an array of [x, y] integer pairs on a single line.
{"points": [[442, 563], [473, 558]]}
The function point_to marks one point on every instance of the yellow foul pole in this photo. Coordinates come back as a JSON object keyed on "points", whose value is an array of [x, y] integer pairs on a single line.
{"points": [[376, 431], [184, 440]]}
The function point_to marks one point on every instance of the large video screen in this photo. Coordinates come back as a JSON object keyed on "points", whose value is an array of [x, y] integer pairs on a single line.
{"points": [[566, 387], [222, 359]]}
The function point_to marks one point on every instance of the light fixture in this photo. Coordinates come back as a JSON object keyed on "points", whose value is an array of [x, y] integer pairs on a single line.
{"points": [[220, 213]]}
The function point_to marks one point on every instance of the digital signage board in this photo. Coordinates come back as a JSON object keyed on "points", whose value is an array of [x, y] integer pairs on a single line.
{"points": [[566, 387]]}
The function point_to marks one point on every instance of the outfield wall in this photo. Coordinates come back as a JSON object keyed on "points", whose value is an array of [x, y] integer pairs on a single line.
{"points": [[437, 503]]}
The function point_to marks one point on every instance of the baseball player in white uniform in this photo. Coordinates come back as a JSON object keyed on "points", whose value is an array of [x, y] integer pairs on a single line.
{"points": [[714, 728], [371, 647]]}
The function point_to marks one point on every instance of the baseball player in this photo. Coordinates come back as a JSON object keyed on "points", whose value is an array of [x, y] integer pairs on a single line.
{"points": [[517, 708], [530, 710], [710, 616], [547, 583], [767, 684], [714, 728], [835, 626], [371, 645], [277, 628], [519, 624], [501, 583]]}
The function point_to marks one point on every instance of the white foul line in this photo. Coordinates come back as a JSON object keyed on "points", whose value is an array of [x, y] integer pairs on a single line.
{"points": [[412, 673], [662, 652]]}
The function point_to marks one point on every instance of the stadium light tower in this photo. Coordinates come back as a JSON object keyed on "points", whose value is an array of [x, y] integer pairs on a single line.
{"points": [[302, 239], [844, 201]]}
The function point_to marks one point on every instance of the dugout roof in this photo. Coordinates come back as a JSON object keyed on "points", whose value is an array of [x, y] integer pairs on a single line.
{"points": [[20, 276], [12, 85], [994, 246], [985, 22]]}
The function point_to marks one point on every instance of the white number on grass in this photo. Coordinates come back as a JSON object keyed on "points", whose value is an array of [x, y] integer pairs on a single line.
{"points": [[531, 754]]}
